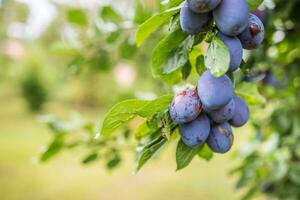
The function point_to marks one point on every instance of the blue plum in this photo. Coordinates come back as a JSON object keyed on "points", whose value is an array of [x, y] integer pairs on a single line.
{"points": [[223, 114], [195, 132], [231, 16], [262, 15], [193, 23], [214, 92], [220, 138], [253, 35], [185, 106], [270, 80], [241, 113], [236, 50], [203, 6]]}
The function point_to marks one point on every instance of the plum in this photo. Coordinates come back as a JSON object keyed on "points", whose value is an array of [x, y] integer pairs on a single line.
{"points": [[202, 6], [193, 23], [235, 48], [185, 106], [269, 79], [253, 35], [195, 132], [220, 138], [214, 92], [241, 113], [262, 15], [231, 16], [223, 114]]}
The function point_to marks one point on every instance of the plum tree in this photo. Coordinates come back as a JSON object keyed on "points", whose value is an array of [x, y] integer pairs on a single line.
{"points": [[235, 48], [195, 132], [241, 113], [253, 35], [214, 92], [220, 138], [185, 106], [231, 16], [223, 114], [193, 23], [203, 6]]}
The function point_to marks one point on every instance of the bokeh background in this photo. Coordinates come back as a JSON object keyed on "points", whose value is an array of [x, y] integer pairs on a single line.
{"points": [[65, 57]]}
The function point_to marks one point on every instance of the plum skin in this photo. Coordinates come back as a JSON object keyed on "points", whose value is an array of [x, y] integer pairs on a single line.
{"points": [[270, 80], [223, 114], [195, 132], [262, 15], [185, 106], [193, 23], [203, 6], [231, 16], [241, 113], [214, 92], [253, 35], [220, 138], [236, 50]]}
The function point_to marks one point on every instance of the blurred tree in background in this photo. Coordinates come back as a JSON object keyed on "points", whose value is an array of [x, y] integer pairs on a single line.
{"points": [[89, 45], [74, 57], [271, 160]]}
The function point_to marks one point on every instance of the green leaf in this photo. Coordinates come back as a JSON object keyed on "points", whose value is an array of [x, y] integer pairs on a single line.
{"points": [[54, 148], [217, 58], [127, 110], [253, 4], [185, 154], [249, 92], [186, 70], [90, 158], [141, 13], [173, 3], [168, 126], [197, 60], [114, 161], [200, 66], [142, 130], [164, 48], [113, 37], [174, 23], [180, 57], [205, 153], [108, 14], [149, 150], [153, 23], [160, 121], [172, 78], [120, 114], [157, 105], [78, 17]]}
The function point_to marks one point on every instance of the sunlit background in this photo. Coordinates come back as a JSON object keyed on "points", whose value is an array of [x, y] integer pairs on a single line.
{"points": [[64, 57]]}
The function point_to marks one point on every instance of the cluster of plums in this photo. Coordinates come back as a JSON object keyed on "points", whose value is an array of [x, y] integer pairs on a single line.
{"points": [[238, 28], [207, 114]]}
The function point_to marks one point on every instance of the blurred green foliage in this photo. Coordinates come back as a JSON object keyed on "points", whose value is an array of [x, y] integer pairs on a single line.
{"points": [[34, 90], [271, 160]]}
